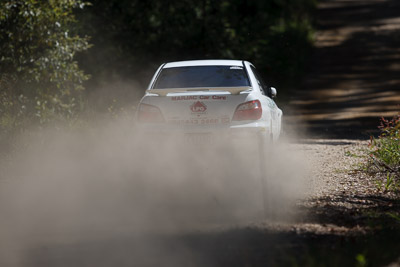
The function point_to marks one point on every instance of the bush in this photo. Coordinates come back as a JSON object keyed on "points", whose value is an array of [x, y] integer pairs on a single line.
{"points": [[39, 80], [384, 151]]}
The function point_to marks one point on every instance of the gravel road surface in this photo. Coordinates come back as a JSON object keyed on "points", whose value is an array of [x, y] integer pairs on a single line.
{"points": [[333, 224]]}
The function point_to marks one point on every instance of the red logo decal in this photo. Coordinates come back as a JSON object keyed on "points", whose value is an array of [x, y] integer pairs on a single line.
{"points": [[198, 107]]}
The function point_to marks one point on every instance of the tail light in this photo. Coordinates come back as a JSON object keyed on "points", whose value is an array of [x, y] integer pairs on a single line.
{"points": [[251, 110], [150, 113]]}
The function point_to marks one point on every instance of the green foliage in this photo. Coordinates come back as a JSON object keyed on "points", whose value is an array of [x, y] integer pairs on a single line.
{"points": [[40, 81], [361, 260], [385, 150], [131, 36], [351, 154], [388, 184], [384, 154]]}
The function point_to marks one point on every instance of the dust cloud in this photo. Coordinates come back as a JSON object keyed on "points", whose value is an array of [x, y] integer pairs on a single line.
{"points": [[112, 195]]}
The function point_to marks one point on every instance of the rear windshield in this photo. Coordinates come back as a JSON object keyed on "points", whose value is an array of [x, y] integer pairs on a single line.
{"points": [[202, 76]]}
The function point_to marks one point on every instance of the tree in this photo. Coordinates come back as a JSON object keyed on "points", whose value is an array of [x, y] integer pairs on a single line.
{"points": [[130, 36], [39, 78]]}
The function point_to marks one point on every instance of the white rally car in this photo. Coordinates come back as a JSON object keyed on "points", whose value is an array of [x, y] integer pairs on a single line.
{"points": [[203, 97]]}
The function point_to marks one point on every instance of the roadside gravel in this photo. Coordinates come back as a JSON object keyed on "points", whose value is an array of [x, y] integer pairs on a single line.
{"points": [[341, 198], [332, 164]]}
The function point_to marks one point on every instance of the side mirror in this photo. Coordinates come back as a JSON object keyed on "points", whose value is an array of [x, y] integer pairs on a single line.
{"points": [[273, 92]]}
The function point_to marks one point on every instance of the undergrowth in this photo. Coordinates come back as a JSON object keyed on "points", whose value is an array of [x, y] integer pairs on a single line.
{"points": [[384, 155]]}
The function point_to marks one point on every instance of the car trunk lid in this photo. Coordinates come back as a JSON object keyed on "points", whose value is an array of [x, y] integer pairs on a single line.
{"points": [[202, 108]]}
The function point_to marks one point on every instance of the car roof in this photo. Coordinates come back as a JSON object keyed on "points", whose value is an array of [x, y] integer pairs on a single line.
{"points": [[208, 62]]}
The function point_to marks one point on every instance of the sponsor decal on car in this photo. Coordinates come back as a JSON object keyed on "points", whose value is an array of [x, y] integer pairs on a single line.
{"points": [[200, 121], [198, 107], [185, 97], [198, 97]]}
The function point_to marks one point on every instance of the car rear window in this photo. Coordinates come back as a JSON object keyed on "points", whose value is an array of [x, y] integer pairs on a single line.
{"points": [[202, 76]]}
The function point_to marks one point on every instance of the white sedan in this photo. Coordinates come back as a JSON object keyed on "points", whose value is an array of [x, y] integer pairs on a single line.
{"points": [[208, 96]]}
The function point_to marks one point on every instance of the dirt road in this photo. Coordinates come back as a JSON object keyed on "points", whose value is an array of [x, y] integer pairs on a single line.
{"points": [[342, 220], [353, 76]]}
